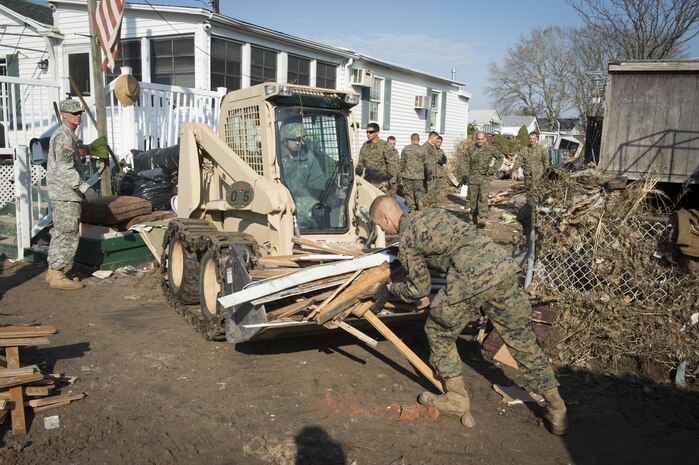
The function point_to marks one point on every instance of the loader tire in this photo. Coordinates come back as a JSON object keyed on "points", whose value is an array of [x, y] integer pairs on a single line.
{"points": [[183, 273], [210, 285]]}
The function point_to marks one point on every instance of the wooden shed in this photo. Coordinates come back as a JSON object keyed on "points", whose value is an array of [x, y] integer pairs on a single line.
{"points": [[651, 120]]}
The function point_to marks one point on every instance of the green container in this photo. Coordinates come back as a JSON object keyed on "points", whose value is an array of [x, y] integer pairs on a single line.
{"points": [[113, 252]]}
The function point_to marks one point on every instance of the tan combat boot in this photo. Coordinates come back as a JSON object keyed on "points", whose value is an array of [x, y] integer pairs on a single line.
{"points": [[50, 275], [454, 402], [556, 414], [59, 281]]}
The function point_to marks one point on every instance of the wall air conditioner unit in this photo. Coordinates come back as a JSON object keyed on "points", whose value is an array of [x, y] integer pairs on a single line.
{"points": [[420, 102], [362, 77]]}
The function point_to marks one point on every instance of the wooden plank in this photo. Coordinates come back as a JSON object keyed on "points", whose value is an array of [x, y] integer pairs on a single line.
{"points": [[19, 380], [54, 400], [334, 294], [402, 348], [3, 404], [19, 422], [8, 372], [371, 342], [24, 342], [324, 246], [36, 391], [272, 285], [51, 406], [370, 277], [27, 331], [288, 310]]}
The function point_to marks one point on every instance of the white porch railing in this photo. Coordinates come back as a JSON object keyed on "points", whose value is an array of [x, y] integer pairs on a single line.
{"points": [[26, 112]]}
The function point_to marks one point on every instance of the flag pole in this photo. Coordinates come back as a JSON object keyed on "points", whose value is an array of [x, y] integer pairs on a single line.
{"points": [[100, 99]]}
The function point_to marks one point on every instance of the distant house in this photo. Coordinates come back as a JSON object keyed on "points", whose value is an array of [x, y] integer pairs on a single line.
{"points": [[511, 125], [488, 121], [566, 134], [195, 48]]}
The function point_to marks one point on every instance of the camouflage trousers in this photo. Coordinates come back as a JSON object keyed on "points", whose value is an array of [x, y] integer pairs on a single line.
{"points": [[413, 191], [478, 197], [508, 308], [64, 234], [433, 187]]}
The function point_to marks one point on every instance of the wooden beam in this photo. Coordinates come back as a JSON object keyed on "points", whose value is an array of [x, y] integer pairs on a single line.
{"points": [[19, 422], [371, 342], [23, 342], [288, 310], [402, 348], [371, 277], [27, 331], [19, 380], [334, 294], [323, 246], [54, 400], [8, 372], [51, 406]]}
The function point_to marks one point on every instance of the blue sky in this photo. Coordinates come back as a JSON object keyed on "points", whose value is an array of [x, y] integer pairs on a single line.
{"points": [[433, 37]]}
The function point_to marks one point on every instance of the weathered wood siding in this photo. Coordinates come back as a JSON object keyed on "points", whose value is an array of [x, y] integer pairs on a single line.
{"points": [[652, 124]]}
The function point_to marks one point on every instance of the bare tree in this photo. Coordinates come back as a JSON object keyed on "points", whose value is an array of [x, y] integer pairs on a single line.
{"points": [[641, 29], [535, 76]]}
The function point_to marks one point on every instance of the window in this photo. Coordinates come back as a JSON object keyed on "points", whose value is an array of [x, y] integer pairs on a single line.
{"points": [[299, 71], [172, 61], [263, 66], [375, 100], [226, 60], [434, 110], [79, 70], [326, 75], [129, 55]]}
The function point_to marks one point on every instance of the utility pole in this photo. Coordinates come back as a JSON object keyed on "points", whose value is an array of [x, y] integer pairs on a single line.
{"points": [[100, 100]]}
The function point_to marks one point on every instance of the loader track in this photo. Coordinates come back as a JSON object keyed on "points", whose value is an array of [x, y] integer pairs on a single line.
{"points": [[193, 240]]}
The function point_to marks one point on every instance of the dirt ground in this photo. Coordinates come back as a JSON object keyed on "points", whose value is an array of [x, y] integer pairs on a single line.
{"points": [[159, 393]]}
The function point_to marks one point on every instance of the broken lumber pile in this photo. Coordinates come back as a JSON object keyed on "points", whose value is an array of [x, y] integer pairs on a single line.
{"points": [[341, 293], [27, 387]]}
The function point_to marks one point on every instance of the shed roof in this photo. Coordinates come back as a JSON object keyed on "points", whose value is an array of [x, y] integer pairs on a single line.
{"points": [[655, 66], [484, 117]]}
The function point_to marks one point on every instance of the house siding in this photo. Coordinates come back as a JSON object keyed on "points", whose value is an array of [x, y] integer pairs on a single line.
{"points": [[30, 46]]}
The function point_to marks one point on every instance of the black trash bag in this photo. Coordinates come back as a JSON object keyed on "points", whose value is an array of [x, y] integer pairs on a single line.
{"points": [[166, 158], [152, 185]]}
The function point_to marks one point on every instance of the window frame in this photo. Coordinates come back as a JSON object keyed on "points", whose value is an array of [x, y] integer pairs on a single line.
{"points": [[435, 100], [130, 61], [174, 57], [263, 78], [376, 100], [227, 62], [324, 77], [297, 73]]}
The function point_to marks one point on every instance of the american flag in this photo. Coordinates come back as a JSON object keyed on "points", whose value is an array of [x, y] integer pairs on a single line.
{"points": [[108, 25]]}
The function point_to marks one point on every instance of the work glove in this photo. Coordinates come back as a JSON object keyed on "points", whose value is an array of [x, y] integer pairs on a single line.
{"points": [[383, 186], [89, 193], [97, 148]]}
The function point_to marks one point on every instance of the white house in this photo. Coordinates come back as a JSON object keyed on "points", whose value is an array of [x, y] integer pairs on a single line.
{"points": [[195, 48], [512, 124], [488, 121]]}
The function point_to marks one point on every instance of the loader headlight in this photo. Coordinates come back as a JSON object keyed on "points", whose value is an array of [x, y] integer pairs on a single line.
{"points": [[270, 89], [286, 91], [351, 99]]}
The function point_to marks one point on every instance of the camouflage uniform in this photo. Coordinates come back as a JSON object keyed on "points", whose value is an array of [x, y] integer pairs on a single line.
{"points": [[478, 274], [305, 180], [434, 172], [412, 172], [476, 167], [534, 162], [64, 182], [377, 164]]}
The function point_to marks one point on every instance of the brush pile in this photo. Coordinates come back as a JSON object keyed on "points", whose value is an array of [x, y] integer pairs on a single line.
{"points": [[628, 298]]}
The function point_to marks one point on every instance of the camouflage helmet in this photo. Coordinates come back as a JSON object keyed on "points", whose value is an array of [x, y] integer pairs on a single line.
{"points": [[70, 106], [292, 131]]}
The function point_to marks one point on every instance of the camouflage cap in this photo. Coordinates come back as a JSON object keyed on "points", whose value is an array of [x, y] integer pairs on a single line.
{"points": [[292, 131], [70, 106]]}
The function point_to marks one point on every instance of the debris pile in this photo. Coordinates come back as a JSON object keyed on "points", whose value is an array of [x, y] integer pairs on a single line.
{"points": [[27, 387], [627, 294]]}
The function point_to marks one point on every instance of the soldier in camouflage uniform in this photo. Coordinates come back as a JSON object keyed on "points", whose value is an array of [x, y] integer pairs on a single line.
{"points": [[433, 170], [412, 173], [302, 174], [395, 160], [66, 188], [534, 160], [376, 163], [476, 167], [479, 273]]}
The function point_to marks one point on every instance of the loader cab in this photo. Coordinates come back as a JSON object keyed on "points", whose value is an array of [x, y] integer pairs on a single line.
{"points": [[313, 152]]}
